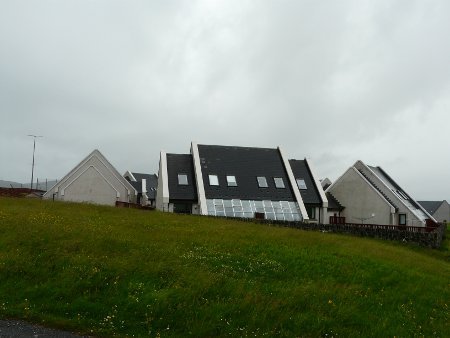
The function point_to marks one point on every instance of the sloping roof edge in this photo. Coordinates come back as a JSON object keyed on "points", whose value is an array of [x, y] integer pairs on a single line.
{"points": [[103, 159]]}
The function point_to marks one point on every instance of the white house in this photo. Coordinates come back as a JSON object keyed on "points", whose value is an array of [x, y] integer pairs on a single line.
{"points": [[93, 180], [440, 210], [145, 185], [239, 182], [369, 195]]}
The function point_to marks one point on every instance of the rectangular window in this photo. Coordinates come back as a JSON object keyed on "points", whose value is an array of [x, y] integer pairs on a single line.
{"points": [[311, 211], [279, 182], [213, 180], [301, 184], [231, 181], [285, 204], [210, 206], [262, 182], [247, 206], [236, 202], [258, 204], [182, 179], [267, 204], [402, 219]]}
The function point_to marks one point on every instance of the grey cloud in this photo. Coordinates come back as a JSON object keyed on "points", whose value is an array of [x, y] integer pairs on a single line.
{"points": [[333, 81]]}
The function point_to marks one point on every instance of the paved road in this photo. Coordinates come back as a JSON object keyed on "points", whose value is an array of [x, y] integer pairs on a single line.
{"points": [[21, 329]]}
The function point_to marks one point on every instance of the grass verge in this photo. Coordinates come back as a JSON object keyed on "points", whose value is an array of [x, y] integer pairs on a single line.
{"points": [[121, 272]]}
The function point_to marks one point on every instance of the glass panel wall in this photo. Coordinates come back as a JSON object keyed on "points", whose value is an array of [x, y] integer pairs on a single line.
{"points": [[274, 210]]}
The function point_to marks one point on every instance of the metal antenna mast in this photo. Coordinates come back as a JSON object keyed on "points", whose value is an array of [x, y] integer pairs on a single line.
{"points": [[32, 166]]}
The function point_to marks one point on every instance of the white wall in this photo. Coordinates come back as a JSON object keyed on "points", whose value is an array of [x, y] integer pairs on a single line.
{"points": [[94, 180], [360, 199], [442, 213], [91, 187], [162, 192]]}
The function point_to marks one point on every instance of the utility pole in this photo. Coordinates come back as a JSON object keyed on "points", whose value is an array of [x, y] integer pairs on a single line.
{"points": [[32, 166]]}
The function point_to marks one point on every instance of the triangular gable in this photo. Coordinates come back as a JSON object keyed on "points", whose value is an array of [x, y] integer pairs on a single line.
{"points": [[431, 206], [397, 192], [96, 153]]}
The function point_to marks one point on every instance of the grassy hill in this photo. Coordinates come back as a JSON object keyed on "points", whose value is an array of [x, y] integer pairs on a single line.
{"points": [[108, 271]]}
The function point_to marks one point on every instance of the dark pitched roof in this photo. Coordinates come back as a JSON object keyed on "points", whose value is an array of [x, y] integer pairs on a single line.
{"points": [[333, 203], [140, 177], [151, 184], [246, 164], [301, 171], [325, 183], [430, 206], [181, 164]]}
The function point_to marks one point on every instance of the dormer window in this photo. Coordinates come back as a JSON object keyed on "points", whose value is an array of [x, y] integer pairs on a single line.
{"points": [[213, 180], [182, 179], [279, 182], [231, 181], [262, 182], [301, 184]]}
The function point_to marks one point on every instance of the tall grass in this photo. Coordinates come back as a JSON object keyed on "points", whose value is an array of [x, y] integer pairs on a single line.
{"points": [[122, 272]]}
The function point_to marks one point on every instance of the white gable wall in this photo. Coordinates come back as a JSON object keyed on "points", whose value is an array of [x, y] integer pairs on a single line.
{"points": [[360, 199], [94, 180], [92, 187], [413, 217], [162, 191], [443, 212]]}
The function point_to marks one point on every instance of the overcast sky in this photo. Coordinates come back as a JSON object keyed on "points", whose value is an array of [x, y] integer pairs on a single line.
{"points": [[333, 81]]}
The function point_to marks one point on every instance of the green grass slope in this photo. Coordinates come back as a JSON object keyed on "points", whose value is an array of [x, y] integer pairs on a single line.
{"points": [[120, 272]]}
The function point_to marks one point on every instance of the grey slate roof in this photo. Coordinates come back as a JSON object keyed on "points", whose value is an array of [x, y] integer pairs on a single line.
{"points": [[301, 171], [140, 177], [151, 184], [246, 164], [431, 206], [181, 164], [333, 203]]}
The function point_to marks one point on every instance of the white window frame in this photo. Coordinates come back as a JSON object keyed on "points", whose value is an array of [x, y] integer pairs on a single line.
{"points": [[301, 184], [213, 180], [260, 183], [184, 176], [231, 181], [277, 181]]}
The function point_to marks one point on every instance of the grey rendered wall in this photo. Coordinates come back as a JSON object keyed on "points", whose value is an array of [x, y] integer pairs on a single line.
{"points": [[360, 200], [93, 181], [442, 213], [411, 218], [91, 187]]}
